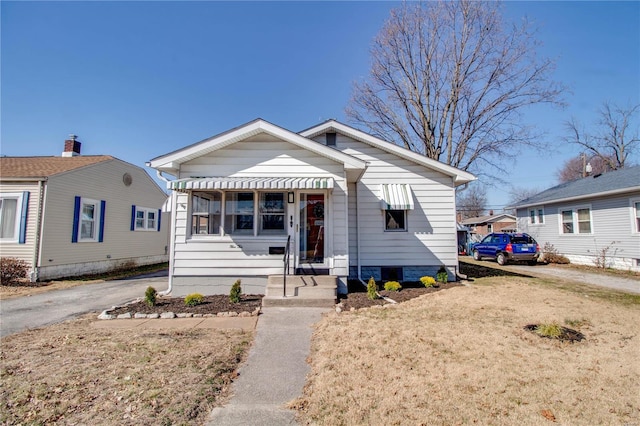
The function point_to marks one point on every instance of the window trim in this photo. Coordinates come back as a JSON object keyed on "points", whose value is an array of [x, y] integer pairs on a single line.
{"points": [[575, 222], [635, 215], [19, 227], [538, 215], [384, 221], [145, 219], [98, 220]]}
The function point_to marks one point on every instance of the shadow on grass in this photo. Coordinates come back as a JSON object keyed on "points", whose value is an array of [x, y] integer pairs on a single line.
{"points": [[473, 270]]}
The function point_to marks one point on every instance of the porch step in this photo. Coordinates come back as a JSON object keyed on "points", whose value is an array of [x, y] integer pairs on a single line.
{"points": [[302, 290]]}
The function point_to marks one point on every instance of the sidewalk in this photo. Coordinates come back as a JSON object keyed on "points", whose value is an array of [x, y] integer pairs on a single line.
{"points": [[275, 371], [241, 323]]}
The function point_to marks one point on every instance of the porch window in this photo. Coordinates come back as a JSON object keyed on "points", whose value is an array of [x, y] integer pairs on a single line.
{"points": [[239, 211], [271, 213], [205, 213]]}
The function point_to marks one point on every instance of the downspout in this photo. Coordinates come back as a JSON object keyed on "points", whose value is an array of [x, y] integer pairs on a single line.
{"points": [[38, 241], [359, 265], [172, 234]]}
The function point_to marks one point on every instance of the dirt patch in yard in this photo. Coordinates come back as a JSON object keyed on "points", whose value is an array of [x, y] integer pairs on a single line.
{"points": [[463, 356], [72, 373]]}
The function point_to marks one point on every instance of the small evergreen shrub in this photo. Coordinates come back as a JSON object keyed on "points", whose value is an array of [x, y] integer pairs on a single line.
{"points": [[236, 291], [392, 286], [442, 276], [12, 270], [150, 296], [428, 281], [372, 290], [193, 299]]}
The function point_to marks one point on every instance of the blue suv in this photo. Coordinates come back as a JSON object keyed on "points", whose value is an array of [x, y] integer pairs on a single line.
{"points": [[507, 247]]}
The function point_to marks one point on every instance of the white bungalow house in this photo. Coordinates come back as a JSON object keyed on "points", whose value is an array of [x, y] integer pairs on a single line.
{"points": [[80, 214], [589, 220], [351, 206]]}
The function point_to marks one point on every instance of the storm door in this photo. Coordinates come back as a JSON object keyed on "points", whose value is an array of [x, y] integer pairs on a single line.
{"points": [[312, 229]]}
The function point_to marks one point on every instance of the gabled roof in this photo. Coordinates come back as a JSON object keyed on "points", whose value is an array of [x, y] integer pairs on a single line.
{"points": [[43, 167], [460, 177], [489, 219], [171, 162], [610, 183]]}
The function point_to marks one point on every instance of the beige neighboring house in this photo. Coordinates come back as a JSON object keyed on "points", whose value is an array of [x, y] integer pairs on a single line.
{"points": [[483, 225], [259, 200], [73, 215]]}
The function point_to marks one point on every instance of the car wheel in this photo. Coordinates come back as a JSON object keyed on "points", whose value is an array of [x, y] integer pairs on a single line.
{"points": [[476, 255], [501, 259]]}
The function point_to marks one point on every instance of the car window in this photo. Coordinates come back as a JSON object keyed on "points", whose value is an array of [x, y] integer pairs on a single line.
{"points": [[487, 239], [522, 239], [497, 239]]}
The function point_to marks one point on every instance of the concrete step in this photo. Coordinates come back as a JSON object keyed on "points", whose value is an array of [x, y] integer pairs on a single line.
{"points": [[296, 302], [302, 290]]}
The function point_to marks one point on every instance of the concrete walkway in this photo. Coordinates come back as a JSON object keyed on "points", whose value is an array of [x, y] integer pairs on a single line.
{"points": [[275, 371]]}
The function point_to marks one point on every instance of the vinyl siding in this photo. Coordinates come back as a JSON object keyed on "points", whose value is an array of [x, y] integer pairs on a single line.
{"points": [[103, 181], [260, 156], [24, 251], [431, 236], [611, 221]]}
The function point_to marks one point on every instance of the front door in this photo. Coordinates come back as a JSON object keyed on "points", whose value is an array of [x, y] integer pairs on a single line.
{"points": [[312, 227]]}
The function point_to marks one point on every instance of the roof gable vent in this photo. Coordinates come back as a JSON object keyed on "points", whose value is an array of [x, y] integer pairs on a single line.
{"points": [[331, 139]]}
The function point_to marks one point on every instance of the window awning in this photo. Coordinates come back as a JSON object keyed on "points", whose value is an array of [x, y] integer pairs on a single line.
{"points": [[236, 183], [396, 197]]}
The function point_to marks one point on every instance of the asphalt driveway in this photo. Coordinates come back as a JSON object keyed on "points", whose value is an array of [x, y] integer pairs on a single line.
{"points": [[56, 306]]}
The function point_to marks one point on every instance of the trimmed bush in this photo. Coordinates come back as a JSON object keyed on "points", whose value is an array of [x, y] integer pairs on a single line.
{"points": [[442, 276], [236, 291], [150, 296], [193, 299], [12, 270], [550, 255], [372, 289], [428, 281], [392, 286]]}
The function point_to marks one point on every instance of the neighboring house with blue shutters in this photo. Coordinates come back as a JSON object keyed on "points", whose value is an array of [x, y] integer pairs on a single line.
{"points": [[589, 220], [74, 214]]}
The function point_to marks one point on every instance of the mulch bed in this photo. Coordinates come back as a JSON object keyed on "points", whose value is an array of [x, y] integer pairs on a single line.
{"points": [[211, 305], [357, 297]]}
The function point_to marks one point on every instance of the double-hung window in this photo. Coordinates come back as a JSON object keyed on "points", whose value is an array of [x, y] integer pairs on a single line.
{"points": [[205, 213], [576, 220], [88, 220], [536, 216], [271, 211], [13, 216], [146, 219], [239, 211], [636, 215]]}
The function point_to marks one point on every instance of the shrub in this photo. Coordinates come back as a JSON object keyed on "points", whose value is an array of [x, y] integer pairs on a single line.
{"points": [[236, 291], [372, 290], [12, 270], [193, 299], [392, 286], [550, 255], [552, 330], [428, 281], [150, 296], [442, 276]]}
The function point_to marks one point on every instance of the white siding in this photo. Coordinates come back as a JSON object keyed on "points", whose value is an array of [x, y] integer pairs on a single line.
{"points": [[612, 222], [102, 181], [24, 251], [261, 156], [431, 236]]}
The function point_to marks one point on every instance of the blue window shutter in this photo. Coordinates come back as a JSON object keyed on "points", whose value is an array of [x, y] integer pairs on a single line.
{"points": [[22, 238], [133, 218], [159, 217], [76, 221], [103, 205]]}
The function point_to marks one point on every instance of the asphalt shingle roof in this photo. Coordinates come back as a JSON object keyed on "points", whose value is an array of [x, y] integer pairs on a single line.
{"points": [[627, 178], [34, 167]]}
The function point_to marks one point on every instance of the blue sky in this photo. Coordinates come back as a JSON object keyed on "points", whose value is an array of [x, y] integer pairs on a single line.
{"points": [[139, 79]]}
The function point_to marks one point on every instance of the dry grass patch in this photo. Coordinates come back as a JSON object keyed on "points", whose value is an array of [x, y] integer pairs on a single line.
{"points": [[463, 356], [72, 373]]}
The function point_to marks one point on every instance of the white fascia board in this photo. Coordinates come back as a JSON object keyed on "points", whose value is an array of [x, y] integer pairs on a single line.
{"points": [[172, 161], [577, 198], [460, 176]]}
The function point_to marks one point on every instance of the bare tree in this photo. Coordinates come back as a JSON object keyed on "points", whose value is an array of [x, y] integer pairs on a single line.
{"points": [[450, 80], [472, 202], [517, 194], [576, 167], [615, 136]]}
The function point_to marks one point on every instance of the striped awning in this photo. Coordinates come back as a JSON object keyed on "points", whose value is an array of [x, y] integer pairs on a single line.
{"points": [[396, 197], [232, 183]]}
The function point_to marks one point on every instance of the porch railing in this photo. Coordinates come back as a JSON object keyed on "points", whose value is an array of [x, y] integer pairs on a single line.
{"points": [[285, 260]]}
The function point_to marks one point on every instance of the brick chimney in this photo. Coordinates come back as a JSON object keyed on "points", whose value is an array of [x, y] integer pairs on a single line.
{"points": [[71, 147], [490, 212]]}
